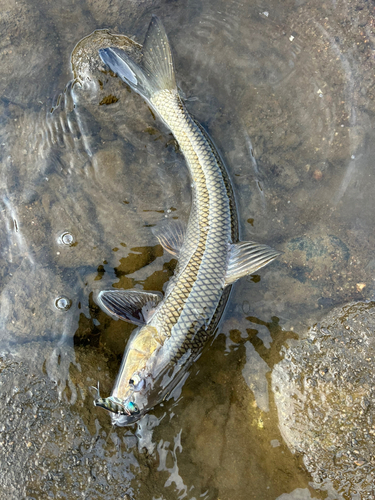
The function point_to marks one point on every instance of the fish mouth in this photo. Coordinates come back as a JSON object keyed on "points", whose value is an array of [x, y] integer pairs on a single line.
{"points": [[123, 412], [123, 420]]}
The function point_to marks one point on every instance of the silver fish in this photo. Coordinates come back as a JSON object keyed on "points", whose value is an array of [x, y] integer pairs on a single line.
{"points": [[173, 329]]}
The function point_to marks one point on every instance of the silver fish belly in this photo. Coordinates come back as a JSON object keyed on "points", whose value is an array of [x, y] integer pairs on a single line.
{"points": [[173, 329]]}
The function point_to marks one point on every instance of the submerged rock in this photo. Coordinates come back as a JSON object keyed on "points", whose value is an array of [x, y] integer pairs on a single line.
{"points": [[325, 395]]}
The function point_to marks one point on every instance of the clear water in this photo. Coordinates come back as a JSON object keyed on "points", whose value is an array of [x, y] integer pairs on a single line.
{"points": [[285, 89]]}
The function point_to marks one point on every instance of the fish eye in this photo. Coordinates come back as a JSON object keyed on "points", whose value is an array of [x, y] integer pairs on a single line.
{"points": [[135, 379], [136, 382]]}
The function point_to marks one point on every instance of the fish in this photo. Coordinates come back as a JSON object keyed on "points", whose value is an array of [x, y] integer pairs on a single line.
{"points": [[174, 327]]}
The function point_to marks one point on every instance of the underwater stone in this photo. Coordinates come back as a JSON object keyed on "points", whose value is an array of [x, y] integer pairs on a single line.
{"points": [[325, 398]]}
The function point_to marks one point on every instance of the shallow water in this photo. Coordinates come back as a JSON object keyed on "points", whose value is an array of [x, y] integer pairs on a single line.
{"points": [[286, 91]]}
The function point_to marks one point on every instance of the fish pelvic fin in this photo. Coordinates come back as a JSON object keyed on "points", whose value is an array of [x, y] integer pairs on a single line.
{"points": [[156, 72], [247, 257], [135, 306], [171, 235]]}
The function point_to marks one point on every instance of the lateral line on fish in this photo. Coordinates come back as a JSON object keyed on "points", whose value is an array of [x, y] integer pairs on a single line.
{"points": [[189, 275]]}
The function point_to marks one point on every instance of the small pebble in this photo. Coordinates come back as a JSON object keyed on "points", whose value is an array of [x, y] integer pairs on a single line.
{"points": [[360, 286], [318, 174]]}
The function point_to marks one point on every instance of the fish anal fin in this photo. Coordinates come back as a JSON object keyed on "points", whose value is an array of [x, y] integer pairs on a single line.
{"points": [[247, 257], [171, 235], [134, 306]]}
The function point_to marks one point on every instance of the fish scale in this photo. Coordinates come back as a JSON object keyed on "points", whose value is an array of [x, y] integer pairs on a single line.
{"points": [[201, 282]]}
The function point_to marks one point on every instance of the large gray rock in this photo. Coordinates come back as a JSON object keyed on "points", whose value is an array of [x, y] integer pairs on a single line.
{"points": [[325, 397]]}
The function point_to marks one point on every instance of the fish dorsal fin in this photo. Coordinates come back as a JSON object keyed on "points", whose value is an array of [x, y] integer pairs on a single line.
{"points": [[247, 257], [134, 306], [171, 235], [156, 72]]}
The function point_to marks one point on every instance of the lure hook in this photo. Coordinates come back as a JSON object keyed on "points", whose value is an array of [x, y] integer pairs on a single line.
{"points": [[97, 390]]}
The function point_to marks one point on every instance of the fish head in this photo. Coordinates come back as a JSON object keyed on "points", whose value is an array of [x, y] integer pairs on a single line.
{"points": [[135, 392]]}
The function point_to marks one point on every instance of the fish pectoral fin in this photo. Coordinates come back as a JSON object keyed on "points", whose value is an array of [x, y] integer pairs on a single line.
{"points": [[247, 257], [171, 235], [134, 306]]}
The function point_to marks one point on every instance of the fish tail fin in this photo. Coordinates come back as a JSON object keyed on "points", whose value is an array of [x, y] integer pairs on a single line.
{"points": [[156, 72]]}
